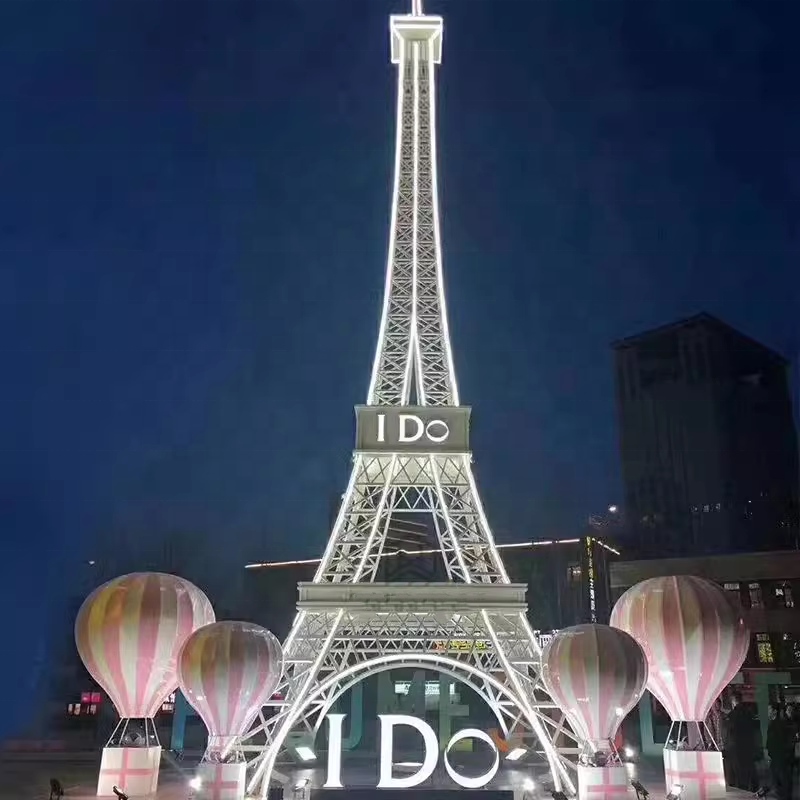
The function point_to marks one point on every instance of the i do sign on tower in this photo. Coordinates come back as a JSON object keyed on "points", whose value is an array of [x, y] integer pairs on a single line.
{"points": [[417, 429], [430, 749]]}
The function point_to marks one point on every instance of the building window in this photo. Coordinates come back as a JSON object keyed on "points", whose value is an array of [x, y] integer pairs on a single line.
{"points": [[764, 649], [756, 598], [730, 587], [783, 595]]}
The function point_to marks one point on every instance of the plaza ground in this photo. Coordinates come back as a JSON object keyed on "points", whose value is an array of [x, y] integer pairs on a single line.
{"points": [[27, 778]]}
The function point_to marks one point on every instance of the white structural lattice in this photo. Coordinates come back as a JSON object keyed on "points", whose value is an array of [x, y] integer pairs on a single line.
{"points": [[348, 625]]}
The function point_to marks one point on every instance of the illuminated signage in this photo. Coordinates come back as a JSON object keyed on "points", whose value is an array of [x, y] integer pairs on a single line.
{"points": [[427, 429], [432, 688], [386, 779], [460, 645]]}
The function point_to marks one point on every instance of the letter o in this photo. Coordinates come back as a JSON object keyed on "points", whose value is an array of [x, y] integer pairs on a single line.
{"points": [[437, 439], [481, 780]]}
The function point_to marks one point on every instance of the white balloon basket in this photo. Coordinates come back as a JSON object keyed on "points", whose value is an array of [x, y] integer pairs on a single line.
{"points": [[602, 782], [134, 770], [699, 772], [221, 781]]}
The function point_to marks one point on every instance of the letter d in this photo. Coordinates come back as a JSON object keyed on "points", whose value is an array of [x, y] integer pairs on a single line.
{"points": [[387, 781], [405, 437]]}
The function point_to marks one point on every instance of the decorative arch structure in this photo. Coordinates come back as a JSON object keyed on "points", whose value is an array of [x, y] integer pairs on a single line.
{"points": [[477, 633]]}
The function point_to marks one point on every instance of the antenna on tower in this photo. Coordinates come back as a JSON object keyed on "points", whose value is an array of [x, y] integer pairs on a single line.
{"points": [[416, 8]]}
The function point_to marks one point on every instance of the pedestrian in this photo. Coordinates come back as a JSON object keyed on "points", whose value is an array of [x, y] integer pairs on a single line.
{"points": [[741, 750], [794, 721], [780, 750]]}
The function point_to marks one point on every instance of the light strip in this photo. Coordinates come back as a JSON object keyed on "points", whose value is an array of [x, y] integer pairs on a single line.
{"points": [[426, 552], [447, 521], [340, 520], [286, 723], [387, 291], [557, 769], [436, 235], [379, 511], [476, 500], [414, 351]]}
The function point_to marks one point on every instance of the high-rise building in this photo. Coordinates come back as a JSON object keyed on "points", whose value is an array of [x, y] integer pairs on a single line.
{"points": [[707, 439]]}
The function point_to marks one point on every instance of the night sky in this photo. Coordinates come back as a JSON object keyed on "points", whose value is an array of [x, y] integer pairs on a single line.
{"points": [[195, 198]]}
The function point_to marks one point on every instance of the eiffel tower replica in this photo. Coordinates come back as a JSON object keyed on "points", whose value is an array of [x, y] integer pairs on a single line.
{"points": [[412, 457]]}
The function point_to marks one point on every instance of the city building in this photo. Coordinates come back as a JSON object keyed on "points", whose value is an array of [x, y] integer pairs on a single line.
{"points": [[766, 585], [707, 440]]}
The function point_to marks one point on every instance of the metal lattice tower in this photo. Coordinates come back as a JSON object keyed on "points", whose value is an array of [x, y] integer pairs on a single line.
{"points": [[348, 626]]}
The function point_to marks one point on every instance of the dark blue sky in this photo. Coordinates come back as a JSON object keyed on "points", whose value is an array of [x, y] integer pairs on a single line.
{"points": [[195, 198]]}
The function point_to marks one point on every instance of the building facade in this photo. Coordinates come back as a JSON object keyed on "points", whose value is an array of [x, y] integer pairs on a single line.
{"points": [[707, 441], [766, 586]]}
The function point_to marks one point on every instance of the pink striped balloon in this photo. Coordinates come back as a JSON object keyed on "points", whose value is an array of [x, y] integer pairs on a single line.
{"points": [[129, 632], [596, 675], [693, 636], [227, 671]]}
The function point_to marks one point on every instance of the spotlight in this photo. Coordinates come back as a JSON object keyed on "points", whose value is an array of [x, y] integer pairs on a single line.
{"points": [[528, 785], [641, 792], [305, 753], [516, 754], [196, 783], [629, 753], [675, 792]]}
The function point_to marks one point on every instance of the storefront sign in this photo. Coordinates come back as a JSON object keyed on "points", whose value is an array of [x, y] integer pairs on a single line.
{"points": [[386, 779]]}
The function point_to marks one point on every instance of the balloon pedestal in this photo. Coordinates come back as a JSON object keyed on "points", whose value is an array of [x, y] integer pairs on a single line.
{"points": [[221, 781], [700, 772], [601, 782], [131, 769]]}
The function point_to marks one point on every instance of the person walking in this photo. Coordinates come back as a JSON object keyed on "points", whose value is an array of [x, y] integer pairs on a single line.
{"points": [[780, 750], [741, 740]]}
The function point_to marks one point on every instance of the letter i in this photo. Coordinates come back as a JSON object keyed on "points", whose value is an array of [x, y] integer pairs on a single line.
{"points": [[381, 427]]}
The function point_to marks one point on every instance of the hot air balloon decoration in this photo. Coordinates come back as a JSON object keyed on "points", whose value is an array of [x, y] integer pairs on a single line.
{"points": [[695, 641], [596, 675], [694, 638], [128, 633], [227, 671]]}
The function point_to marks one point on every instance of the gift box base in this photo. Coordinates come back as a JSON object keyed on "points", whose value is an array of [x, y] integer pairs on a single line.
{"points": [[701, 773], [133, 770], [221, 781], [601, 782]]}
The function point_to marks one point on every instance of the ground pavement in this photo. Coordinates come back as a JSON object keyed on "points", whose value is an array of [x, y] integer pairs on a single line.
{"points": [[28, 778]]}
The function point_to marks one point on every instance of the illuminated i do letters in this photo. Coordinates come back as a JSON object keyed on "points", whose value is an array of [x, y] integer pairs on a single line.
{"points": [[412, 429], [430, 747]]}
